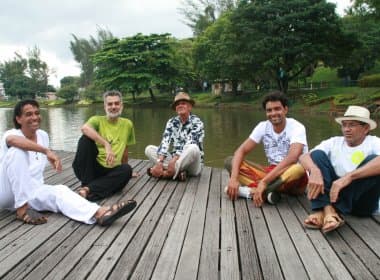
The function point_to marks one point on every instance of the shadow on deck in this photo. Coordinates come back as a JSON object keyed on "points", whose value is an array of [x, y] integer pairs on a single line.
{"points": [[187, 230]]}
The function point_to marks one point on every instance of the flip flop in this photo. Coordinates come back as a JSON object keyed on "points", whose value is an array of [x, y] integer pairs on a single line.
{"points": [[116, 211], [314, 221], [32, 217], [335, 219]]}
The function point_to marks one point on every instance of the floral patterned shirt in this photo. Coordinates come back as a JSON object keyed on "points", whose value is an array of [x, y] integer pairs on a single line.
{"points": [[178, 134]]}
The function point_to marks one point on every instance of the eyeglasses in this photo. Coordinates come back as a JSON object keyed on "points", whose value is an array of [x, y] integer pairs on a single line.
{"points": [[351, 125]]}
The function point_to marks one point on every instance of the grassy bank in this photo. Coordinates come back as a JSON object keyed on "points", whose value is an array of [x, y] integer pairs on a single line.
{"points": [[318, 99]]}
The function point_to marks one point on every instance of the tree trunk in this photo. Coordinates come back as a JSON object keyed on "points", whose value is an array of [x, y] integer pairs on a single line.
{"points": [[152, 97], [134, 96], [283, 84], [234, 87]]}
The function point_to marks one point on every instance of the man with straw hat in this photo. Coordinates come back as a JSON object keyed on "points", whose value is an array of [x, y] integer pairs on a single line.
{"points": [[185, 133], [344, 172]]}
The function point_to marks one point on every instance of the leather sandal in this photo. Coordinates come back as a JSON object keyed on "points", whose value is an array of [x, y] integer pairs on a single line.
{"points": [[332, 222], [115, 212], [32, 217], [315, 220]]}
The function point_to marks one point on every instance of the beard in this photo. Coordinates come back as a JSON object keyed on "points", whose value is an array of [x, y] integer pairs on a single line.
{"points": [[114, 115]]}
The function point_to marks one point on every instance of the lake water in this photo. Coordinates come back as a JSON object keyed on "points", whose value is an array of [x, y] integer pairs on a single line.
{"points": [[225, 129]]}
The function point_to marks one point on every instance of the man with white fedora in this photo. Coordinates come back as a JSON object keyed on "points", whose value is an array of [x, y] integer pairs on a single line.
{"points": [[344, 172], [184, 133]]}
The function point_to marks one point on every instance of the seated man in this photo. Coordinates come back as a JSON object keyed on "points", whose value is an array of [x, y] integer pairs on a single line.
{"points": [[344, 172], [101, 160], [185, 132], [24, 153], [284, 140]]}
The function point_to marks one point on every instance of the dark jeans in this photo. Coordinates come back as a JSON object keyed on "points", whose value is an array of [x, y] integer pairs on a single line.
{"points": [[101, 181], [360, 198]]}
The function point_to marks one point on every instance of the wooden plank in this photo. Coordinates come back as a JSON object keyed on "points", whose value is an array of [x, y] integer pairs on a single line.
{"points": [[269, 263], [351, 261], [145, 267], [250, 264], [16, 252], [229, 260], [167, 263], [189, 261], [332, 261], [291, 265], [8, 225], [46, 256], [368, 230], [130, 255], [89, 259], [367, 256], [210, 252], [313, 264]]}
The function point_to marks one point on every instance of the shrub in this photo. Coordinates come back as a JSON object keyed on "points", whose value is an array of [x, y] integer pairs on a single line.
{"points": [[370, 81], [341, 99], [313, 99]]}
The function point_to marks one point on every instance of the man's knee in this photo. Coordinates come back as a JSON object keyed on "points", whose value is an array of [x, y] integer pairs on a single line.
{"points": [[15, 156], [193, 148], [150, 150], [228, 163], [319, 157]]}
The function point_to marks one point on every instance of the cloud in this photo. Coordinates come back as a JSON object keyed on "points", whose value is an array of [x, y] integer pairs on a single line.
{"points": [[49, 25]]}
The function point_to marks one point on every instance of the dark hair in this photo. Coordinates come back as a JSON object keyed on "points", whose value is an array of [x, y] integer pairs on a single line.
{"points": [[275, 96], [17, 111]]}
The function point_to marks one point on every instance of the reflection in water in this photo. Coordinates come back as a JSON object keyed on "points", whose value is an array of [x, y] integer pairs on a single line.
{"points": [[225, 129]]}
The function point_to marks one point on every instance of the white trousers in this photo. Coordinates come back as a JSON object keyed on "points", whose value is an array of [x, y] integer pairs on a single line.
{"points": [[190, 159], [18, 187]]}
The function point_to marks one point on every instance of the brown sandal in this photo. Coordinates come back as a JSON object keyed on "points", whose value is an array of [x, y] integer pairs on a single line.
{"points": [[332, 222], [32, 217], [314, 221], [182, 176], [115, 212]]}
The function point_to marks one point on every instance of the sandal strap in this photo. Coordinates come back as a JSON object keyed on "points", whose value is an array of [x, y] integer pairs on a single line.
{"points": [[32, 217]]}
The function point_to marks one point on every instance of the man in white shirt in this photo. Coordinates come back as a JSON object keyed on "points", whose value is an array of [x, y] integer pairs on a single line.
{"points": [[344, 172], [284, 140], [24, 152]]}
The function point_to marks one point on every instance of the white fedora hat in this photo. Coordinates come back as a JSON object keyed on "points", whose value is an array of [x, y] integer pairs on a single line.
{"points": [[357, 113]]}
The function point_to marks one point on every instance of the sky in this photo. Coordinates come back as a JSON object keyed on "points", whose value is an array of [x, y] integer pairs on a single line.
{"points": [[49, 25]]}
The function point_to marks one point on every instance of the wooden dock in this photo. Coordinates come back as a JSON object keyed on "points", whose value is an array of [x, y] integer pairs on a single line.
{"points": [[188, 230]]}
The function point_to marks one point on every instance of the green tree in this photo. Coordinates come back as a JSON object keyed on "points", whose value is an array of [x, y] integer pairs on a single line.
{"points": [[282, 39], [69, 88], [216, 54], [183, 61], [83, 49], [200, 14], [13, 75], [38, 71], [366, 52], [25, 76], [136, 63]]}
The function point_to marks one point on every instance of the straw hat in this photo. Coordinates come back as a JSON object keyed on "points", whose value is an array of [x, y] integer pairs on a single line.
{"points": [[357, 113], [182, 96]]}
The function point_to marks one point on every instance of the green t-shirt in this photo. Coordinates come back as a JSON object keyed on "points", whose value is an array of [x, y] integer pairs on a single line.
{"points": [[119, 134]]}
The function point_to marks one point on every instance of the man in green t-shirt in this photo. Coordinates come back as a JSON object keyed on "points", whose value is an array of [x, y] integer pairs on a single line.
{"points": [[101, 160]]}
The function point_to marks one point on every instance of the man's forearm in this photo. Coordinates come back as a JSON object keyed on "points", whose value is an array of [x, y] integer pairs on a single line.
{"points": [[25, 144]]}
